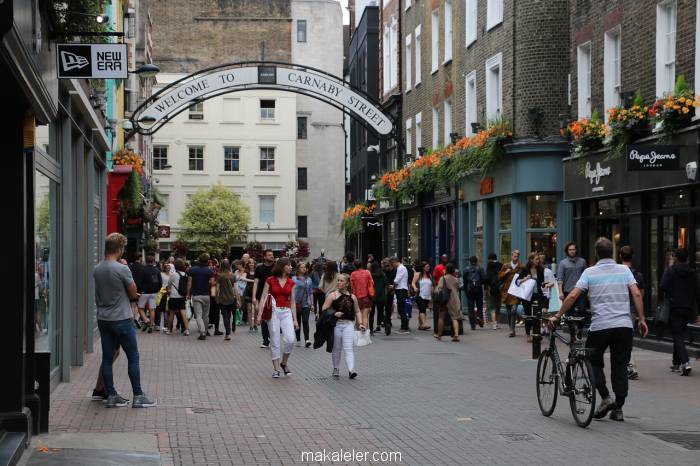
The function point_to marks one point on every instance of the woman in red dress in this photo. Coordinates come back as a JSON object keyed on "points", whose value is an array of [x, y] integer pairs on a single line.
{"points": [[362, 286]]}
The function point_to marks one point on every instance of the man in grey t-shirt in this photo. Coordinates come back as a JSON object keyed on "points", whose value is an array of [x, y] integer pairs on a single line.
{"points": [[114, 290], [568, 273]]}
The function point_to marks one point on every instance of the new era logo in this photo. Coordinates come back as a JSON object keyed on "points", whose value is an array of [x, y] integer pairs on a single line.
{"points": [[71, 61]]}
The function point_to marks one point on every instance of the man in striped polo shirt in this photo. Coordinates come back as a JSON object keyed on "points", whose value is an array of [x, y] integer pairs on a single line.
{"points": [[609, 286]]}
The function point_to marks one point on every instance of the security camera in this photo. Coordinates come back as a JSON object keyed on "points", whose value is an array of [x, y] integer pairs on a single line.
{"points": [[374, 148], [691, 171], [156, 180], [127, 125]]}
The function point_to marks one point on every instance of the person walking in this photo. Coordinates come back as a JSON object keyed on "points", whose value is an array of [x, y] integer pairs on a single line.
{"points": [[214, 314], [329, 282], [177, 291], [347, 311], [262, 273], [241, 280], [505, 278], [568, 273], [401, 291], [379, 300], [227, 297], [248, 295], [626, 258], [422, 286], [439, 269], [609, 286], [114, 289], [452, 309], [284, 317], [533, 270], [135, 267], [680, 286], [349, 265], [390, 274], [150, 283], [162, 305], [200, 281], [362, 286], [304, 300], [474, 281], [493, 292], [318, 296]]}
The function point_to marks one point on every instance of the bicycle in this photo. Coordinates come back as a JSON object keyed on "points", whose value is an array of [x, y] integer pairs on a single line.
{"points": [[574, 378]]}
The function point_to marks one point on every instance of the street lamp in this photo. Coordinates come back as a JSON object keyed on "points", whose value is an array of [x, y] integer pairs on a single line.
{"points": [[147, 70], [475, 127], [101, 19], [454, 137]]}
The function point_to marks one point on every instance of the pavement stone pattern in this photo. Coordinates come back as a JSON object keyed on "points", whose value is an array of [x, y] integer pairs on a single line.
{"points": [[471, 402]]}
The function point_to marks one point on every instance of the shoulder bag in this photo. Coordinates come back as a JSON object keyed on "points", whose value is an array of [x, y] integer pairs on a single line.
{"points": [[663, 311], [267, 308]]}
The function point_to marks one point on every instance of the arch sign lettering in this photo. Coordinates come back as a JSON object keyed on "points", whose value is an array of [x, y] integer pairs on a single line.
{"points": [[176, 97]]}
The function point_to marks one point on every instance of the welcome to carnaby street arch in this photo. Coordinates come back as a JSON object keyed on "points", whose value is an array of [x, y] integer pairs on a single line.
{"points": [[223, 79]]}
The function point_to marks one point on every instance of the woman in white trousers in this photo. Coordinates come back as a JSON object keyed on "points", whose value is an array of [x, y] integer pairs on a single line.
{"points": [[284, 316], [347, 311]]}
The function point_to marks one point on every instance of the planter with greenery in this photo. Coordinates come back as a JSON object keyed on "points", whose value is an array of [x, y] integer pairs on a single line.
{"points": [[675, 110]]}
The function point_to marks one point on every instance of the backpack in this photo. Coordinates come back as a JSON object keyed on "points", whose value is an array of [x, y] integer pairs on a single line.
{"points": [[182, 284], [151, 280], [473, 281]]}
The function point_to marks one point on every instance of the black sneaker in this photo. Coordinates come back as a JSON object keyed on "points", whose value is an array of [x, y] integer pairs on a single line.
{"points": [[142, 401], [218, 332], [616, 415], [685, 369], [675, 367], [285, 369], [605, 407], [99, 395], [202, 337], [352, 375], [150, 329], [632, 372], [264, 345], [116, 401]]}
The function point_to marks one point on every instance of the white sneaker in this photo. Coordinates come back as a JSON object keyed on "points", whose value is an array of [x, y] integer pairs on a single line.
{"points": [[336, 372], [495, 326], [685, 369]]}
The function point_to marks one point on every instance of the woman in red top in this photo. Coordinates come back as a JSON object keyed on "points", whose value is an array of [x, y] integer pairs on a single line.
{"points": [[284, 316], [362, 286]]}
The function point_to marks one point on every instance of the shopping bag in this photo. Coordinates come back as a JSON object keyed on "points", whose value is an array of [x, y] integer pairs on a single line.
{"points": [[237, 318], [524, 291], [554, 301], [362, 338]]}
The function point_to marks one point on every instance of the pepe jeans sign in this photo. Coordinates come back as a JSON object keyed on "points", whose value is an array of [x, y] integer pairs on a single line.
{"points": [[103, 61], [641, 157], [594, 174]]}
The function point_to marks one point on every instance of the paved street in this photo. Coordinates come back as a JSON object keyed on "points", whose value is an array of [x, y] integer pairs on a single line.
{"points": [[471, 402]]}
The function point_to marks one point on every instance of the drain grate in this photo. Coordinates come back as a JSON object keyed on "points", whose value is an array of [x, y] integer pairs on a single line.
{"points": [[519, 437], [317, 379], [439, 354], [686, 440], [392, 338], [200, 410]]}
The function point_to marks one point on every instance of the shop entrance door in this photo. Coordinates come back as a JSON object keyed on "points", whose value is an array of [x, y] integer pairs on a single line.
{"points": [[609, 228]]}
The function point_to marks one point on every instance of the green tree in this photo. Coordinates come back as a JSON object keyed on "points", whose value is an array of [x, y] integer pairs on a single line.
{"points": [[214, 219]]}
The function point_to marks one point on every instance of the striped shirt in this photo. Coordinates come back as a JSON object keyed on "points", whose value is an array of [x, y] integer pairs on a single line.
{"points": [[608, 284]]}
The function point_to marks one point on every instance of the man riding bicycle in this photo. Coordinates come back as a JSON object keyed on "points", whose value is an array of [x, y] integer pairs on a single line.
{"points": [[609, 286]]}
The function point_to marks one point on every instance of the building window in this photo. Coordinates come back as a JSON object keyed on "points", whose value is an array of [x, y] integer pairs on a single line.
{"points": [[419, 132], [386, 59], [232, 159], [394, 76], [697, 55], [301, 127], [267, 109], [163, 212], [409, 136], [494, 13], [448, 30], [408, 56], [471, 10], [196, 158], [302, 183], [197, 111], [436, 127], [611, 73], [665, 47], [583, 71], [302, 226], [447, 107], [505, 213], [542, 225], [470, 102], [434, 41], [301, 30], [505, 239], [160, 157], [493, 87], [267, 159], [267, 209], [418, 53]]}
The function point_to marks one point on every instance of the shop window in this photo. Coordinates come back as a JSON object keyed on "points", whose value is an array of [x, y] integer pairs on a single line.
{"points": [[413, 247], [542, 211], [393, 239], [673, 199], [608, 207], [505, 213], [479, 248], [506, 247], [479, 220], [543, 243]]}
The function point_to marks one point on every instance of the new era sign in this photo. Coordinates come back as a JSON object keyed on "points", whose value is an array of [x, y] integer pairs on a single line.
{"points": [[103, 61]]}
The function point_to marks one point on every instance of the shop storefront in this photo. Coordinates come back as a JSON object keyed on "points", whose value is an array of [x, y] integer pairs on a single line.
{"points": [[646, 197], [518, 205], [439, 224]]}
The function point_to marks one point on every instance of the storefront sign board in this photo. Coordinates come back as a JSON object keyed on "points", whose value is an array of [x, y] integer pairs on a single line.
{"points": [[652, 157]]}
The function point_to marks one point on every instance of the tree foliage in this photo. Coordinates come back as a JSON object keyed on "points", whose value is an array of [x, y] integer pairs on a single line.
{"points": [[214, 219]]}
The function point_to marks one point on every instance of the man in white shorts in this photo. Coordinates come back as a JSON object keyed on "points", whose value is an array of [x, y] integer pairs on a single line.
{"points": [[150, 283]]}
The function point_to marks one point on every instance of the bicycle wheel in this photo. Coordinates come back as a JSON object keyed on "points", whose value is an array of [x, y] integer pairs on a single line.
{"points": [[583, 394], [547, 383]]}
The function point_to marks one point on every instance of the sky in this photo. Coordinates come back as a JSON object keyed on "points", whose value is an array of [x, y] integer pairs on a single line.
{"points": [[346, 14]]}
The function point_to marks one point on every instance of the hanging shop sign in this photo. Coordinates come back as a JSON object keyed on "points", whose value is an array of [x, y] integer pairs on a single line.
{"points": [[652, 158], [163, 231], [100, 61], [486, 186]]}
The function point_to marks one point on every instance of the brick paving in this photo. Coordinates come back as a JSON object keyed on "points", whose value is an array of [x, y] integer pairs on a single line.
{"points": [[463, 403]]}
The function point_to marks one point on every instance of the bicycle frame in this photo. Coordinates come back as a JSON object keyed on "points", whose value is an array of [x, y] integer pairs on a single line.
{"points": [[563, 386]]}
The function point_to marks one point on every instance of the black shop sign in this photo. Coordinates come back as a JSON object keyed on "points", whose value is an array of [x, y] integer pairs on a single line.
{"points": [[652, 157]]}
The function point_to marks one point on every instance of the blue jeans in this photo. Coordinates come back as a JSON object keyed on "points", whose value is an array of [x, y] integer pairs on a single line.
{"points": [[119, 333]]}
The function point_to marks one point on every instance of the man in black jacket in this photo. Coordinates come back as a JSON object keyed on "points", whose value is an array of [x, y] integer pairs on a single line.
{"points": [[493, 299], [682, 289]]}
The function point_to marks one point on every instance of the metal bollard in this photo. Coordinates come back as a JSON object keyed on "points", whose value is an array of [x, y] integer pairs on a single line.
{"points": [[537, 330]]}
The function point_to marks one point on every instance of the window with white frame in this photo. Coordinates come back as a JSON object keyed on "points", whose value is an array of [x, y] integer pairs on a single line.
{"points": [[301, 30], [196, 111], [394, 77], [267, 209], [409, 136], [434, 40], [163, 212], [419, 60], [611, 69], [665, 47], [196, 158], [583, 76], [470, 102], [407, 59], [267, 109], [471, 11], [448, 30], [386, 59], [494, 88], [267, 159], [407, 4], [436, 128], [232, 159], [160, 157], [419, 132], [494, 13], [447, 110]]}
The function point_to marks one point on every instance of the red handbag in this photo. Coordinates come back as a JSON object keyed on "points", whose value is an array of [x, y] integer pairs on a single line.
{"points": [[267, 308]]}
